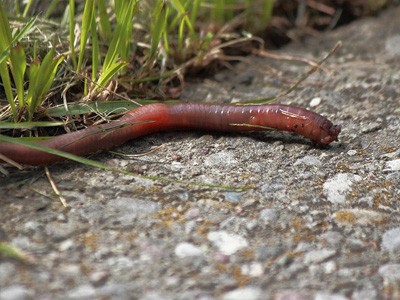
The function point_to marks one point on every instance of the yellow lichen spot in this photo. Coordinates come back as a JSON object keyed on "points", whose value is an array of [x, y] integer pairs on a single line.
{"points": [[248, 253], [241, 279], [387, 149], [89, 240], [344, 216], [343, 167], [297, 223], [204, 227], [360, 216]]}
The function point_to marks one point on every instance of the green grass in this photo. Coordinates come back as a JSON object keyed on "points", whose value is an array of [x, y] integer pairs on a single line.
{"points": [[10, 252]]}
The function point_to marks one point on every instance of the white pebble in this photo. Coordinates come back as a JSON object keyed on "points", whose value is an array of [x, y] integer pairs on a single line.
{"points": [[317, 256], [390, 272], [248, 293], [393, 165], [351, 152], [337, 188], [227, 243], [391, 240], [187, 250], [315, 101], [254, 269], [269, 215], [16, 292], [328, 296], [308, 160]]}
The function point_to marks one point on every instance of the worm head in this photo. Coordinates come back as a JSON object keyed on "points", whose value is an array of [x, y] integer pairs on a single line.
{"points": [[331, 134]]}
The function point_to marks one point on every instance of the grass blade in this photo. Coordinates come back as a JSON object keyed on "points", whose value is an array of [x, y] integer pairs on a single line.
{"points": [[109, 73], [88, 14], [29, 125], [5, 78], [18, 67], [95, 50], [160, 20], [72, 32], [105, 26], [41, 78]]}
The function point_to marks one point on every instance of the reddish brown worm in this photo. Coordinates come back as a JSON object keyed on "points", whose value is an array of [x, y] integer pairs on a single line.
{"points": [[160, 117]]}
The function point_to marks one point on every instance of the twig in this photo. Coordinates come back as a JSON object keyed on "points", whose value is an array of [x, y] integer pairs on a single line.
{"points": [[277, 56], [311, 71], [138, 154]]}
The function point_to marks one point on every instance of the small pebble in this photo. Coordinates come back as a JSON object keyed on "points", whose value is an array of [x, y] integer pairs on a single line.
{"points": [[315, 101], [355, 245], [130, 206], [327, 296], [394, 176], [391, 240], [177, 166], [222, 159], [192, 213], [155, 295], [66, 245], [98, 278], [317, 256], [85, 291], [187, 250], [333, 238], [233, 197], [269, 216], [372, 127], [365, 294], [251, 225], [392, 165], [61, 231], [309, 161], [351, 152], [248, 293], [113, 291], [330, 267], [392, 45], [337, 188], [124, 211], [227, 243], [254, 269], [16, 292], [183, 196], [390, 272], [220, 257], [70, 271], [249, 202], [292, 295], [190, 226], [7, 270]]}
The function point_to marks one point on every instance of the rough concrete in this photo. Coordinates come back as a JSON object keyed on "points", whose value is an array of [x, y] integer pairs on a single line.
{"points": [[315, 224]]}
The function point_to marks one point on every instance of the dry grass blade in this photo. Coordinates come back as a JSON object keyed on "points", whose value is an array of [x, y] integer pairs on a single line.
{"points": [[54, 187], [311, 71]]}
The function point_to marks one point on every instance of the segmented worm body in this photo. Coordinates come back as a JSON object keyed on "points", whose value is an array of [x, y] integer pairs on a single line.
{"points": [[158, 117]]}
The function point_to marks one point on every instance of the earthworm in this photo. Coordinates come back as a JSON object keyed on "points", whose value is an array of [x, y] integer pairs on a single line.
{"points": [[158, 117]]}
